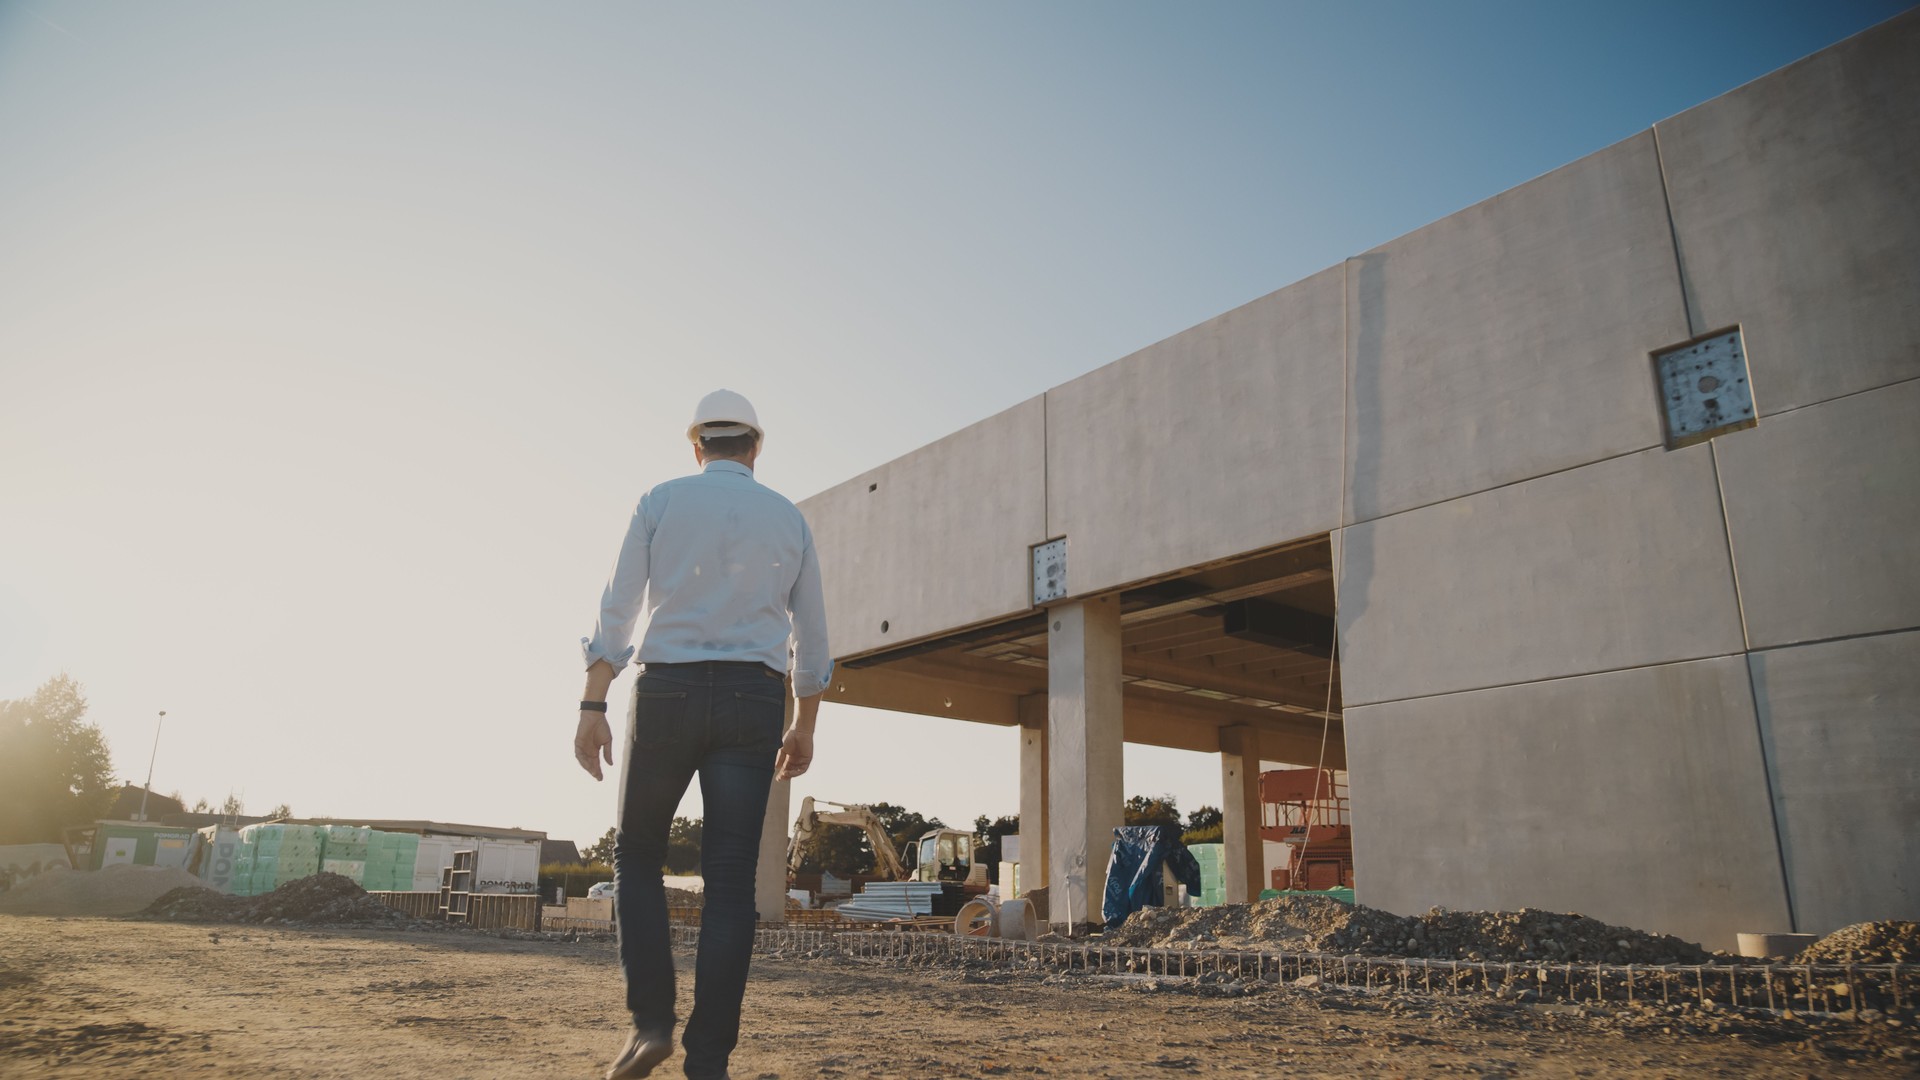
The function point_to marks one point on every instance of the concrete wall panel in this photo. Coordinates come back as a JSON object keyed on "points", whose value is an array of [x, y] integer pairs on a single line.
{"points": [[1511, 339], [1841, 724], [1824, 507], [1614, 565], [1638, 797], [1220, 440], [941, 540], [1793, 202]]}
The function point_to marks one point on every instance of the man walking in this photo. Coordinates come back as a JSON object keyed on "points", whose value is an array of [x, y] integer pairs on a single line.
{"points": [[728, 574]]}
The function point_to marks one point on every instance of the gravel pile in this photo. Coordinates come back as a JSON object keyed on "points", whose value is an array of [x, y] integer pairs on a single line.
{"points": [[1318, 924], [1288, 921], [116, 890], [1526, 934], [1866, 943], [321, 899]]}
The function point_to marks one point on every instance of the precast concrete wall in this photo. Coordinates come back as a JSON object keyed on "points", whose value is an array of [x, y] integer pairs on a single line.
{"points": [[1524, 658], [1673, 688], [937, 539], [1218, 441]]}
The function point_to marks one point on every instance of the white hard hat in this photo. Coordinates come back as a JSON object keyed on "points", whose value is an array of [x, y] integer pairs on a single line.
{"points": [[732, 413]]}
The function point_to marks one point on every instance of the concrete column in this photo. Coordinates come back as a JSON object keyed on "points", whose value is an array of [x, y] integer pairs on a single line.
{"points": [[1085, 785], [1245, 855], [1033, 793], [770, 874], [770, 878]]}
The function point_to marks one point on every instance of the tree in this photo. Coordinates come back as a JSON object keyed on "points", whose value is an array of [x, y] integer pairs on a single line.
{"points": [[54, 768], [904, 826], [233, 807], [683, 845], [1152, 810], [281, 811], [1204, 826], [601, 850], [986, 838], [202, 806], [837, 849]]}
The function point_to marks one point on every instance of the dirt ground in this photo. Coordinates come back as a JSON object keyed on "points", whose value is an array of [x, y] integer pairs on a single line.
{"points": [[98, 997]]}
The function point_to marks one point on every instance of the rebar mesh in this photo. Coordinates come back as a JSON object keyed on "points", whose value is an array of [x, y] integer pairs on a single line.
{"points": [[1835, 990]]}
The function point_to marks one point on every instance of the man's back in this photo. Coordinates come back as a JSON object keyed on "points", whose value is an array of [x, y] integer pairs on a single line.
{"points": [[727, 570], [725, 555]]}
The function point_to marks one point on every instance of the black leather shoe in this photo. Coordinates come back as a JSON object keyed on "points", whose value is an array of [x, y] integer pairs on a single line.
{"points": [[641, 1054]]}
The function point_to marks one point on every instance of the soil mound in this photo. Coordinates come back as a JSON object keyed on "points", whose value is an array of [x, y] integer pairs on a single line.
{"points": [[1866, 943], [321, 899], [116, 890], [1319, 924], [1527, 934], [1292, 922]]}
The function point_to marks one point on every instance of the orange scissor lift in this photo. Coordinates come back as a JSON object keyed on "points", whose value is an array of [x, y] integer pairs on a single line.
{"points": [[1306, 809]]}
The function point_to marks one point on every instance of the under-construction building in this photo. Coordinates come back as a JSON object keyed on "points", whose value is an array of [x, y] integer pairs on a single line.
{"points": [[1579, 527]]}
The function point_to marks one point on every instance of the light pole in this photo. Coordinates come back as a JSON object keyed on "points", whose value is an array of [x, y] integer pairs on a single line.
{"points": [[148, 788]]}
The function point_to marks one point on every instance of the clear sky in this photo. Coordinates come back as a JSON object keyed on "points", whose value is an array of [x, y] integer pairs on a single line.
{"points": [[338, 340]]}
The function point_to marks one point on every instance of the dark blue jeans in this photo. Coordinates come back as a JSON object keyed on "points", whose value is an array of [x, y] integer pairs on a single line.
{"points": [[723, 721]]}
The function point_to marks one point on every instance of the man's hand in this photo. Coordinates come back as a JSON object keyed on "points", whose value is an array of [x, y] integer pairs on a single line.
{"points": [[594, 740], [796, 753]]}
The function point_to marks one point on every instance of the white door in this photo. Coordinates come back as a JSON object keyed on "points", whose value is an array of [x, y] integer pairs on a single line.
{"points": [[118, 851], [436, 854], [508, 866]]}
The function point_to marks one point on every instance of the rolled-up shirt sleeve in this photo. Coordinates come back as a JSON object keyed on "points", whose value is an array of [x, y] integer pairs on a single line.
{"points": [[812, 659], [626, 589]]}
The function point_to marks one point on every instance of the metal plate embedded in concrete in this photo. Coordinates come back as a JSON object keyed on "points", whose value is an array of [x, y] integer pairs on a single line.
{"points": [[1049, 571], [1704, 388]]}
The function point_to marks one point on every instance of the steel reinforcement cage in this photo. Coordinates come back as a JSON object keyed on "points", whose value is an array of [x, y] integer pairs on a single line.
{"points": [[1830, 989]]}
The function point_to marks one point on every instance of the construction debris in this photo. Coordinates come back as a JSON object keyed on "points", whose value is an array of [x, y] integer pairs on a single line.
{"points": [[1317, 924], [1866, 943], [321, 899]]}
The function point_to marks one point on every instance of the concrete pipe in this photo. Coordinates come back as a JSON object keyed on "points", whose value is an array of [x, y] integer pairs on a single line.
{"points": [[1018, 922], [977, 919]]}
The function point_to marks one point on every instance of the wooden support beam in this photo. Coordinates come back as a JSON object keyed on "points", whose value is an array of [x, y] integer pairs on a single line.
{"points": [[899, 691], [1279, 626]]}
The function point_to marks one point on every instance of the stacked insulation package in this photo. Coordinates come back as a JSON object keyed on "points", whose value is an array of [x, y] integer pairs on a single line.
{"points": [[1213, 877], [390, 859], [277, 853], [270, 855], [346, 852]]}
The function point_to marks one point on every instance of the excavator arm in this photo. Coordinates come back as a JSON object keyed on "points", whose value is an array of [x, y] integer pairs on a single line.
{"points": [[859, 817]]}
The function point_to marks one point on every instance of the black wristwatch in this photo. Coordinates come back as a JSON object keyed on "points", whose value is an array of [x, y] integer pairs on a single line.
{"points": [[593, 706]]}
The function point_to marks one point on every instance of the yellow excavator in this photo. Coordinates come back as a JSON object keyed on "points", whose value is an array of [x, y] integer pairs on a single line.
{"points": [[941, 855], [944, 855]]}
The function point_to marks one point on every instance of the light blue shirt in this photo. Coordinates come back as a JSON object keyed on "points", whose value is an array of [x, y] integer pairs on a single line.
{"points": [[727, 571]]}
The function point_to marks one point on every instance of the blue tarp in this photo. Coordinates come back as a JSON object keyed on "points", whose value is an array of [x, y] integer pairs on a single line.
{"points": [[1134, 880]]}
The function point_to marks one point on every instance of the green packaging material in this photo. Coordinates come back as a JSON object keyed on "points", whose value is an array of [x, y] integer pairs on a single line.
{"points": [[393, 849], [1212, 878], [351, 869]]}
